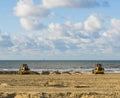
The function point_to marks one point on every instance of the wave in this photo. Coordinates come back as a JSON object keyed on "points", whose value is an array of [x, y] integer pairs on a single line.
{"points": [[107, 70]]}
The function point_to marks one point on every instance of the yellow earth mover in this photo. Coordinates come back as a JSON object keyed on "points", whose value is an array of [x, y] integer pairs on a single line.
{"points": [[24, 69], [98, 69]]}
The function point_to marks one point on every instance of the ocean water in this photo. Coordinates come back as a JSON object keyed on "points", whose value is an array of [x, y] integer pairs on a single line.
{"points": [[46, 65]]}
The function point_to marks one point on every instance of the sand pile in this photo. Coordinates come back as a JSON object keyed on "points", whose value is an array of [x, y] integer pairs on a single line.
{"points": [[58, 95], [3, 85]]}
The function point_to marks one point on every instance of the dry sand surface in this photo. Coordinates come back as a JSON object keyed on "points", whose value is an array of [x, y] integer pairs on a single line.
{"points": [[74, 85]]}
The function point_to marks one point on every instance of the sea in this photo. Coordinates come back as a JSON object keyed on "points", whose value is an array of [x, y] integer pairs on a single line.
{"points": [[60, 65]]}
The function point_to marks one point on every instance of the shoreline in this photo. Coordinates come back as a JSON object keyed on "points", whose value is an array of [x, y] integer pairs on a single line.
{"points": [[82, 70], [50, 72]]}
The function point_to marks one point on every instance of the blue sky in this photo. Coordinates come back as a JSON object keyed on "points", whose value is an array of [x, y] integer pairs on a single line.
{"points": [[59, 30]]}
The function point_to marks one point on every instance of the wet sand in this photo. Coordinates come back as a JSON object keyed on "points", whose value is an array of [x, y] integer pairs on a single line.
{"points": [[65, 85]]}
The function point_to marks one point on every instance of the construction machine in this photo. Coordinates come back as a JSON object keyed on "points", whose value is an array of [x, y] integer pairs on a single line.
{"points": [[24, 69], [98, 69]]}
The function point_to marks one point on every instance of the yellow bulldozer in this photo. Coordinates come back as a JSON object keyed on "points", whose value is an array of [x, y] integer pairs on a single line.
{"points": [[98, 69], [24, 69]]}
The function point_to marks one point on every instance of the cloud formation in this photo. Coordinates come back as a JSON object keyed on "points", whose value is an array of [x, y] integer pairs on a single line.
{"points": [[5, 40], [94, 23], [68, 37], [31, 24], [32, 15], [70, 3], [27, 8], [97, 34]]}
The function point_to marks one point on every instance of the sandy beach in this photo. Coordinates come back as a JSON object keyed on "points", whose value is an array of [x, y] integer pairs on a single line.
{"points": [[65, 85]]}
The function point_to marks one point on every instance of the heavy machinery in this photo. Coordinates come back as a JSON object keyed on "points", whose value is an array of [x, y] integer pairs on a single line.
{"points": [[24, 69], [98, 69]]}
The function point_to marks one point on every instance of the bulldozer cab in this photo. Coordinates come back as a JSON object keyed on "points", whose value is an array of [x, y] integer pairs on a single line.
{"points": [[98, 69], [99, 66], [24, 69], [25, 66]]}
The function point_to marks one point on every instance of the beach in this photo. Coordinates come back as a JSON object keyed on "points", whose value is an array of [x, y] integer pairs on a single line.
{"points": [[64, 85]]}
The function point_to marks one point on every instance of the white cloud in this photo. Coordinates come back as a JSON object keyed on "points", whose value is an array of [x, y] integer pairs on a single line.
{"points": [[27, 8], [31, 14], [71, 35], [115, 23], [71, 3], [55, 31], [112, 34], [5, 40], [31, 24], [23, 8], [94, 23], [66, 38]]}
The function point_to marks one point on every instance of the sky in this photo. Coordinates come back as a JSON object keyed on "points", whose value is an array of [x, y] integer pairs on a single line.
{"points": [[59, 30]]}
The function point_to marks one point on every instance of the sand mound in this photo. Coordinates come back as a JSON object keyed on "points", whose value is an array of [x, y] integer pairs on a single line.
{"points": [[3, 85], [6, 95], [58, 95], [16, 72]]}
